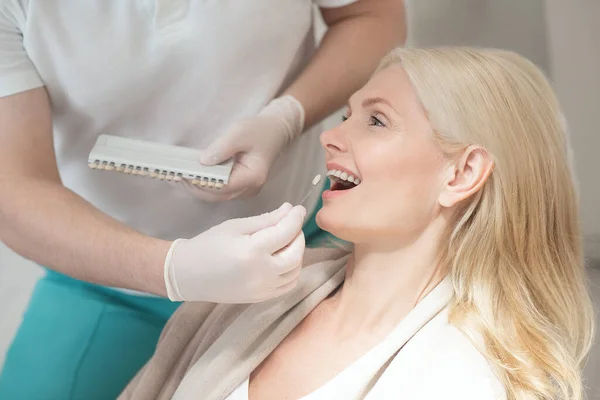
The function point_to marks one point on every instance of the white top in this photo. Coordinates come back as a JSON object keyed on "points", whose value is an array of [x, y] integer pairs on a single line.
{"points": [[423, 358], [348, 384], [171, 71]]}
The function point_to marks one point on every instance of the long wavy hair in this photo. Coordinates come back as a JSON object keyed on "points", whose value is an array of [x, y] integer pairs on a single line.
{"points": [[514, 251]]}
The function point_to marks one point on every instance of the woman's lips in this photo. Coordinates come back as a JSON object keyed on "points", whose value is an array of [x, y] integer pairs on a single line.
{"points": [[331, 194]]}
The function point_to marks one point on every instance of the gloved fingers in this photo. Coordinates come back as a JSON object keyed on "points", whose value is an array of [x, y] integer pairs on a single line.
{"points": [[278, 236], [252, 225], [290, 257], [221, 149], [208, 195], [235, 141], [289, 276], [245, 177]]}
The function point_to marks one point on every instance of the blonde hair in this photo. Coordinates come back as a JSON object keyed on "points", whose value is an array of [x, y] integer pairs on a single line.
{"points": [[514, 252]]}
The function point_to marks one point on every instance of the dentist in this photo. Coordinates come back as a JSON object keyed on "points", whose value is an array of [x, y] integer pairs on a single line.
{"points": [[238, 78]]}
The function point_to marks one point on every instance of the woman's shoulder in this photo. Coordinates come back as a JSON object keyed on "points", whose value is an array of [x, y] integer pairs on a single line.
{"points": [[457, 367], [439, 361], [462, 363]]}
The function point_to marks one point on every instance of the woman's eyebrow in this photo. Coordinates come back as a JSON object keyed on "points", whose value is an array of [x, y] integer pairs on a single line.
{"points": [[377, 100], [370, 101]]}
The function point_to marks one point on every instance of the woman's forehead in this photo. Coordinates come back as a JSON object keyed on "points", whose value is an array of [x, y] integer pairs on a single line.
{"points": [[391, 85]]}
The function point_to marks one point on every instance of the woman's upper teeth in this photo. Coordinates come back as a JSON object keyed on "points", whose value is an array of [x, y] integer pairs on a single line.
{"points": [[344, 176]]}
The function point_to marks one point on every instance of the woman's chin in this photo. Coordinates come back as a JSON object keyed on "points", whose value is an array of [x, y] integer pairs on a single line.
{"points": [[334, 224]]}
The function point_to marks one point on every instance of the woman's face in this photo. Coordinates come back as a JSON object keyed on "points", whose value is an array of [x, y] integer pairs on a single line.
{"points": [[387, 143]]}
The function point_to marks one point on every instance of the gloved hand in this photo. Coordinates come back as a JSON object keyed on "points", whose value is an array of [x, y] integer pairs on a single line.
{"points": [[243, 260], [256, 143]]}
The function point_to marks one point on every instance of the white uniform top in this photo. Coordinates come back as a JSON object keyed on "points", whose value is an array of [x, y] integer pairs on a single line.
{"points": [[170, 71], [423, 358]]}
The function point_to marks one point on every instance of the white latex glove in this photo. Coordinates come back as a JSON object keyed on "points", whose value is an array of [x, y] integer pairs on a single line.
{"points": [[243, 260], [255, 143]]}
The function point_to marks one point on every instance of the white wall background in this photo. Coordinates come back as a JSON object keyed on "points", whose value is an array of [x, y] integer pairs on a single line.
{"points": [[574, 53], [573, 40], [17, 278], [563, 37]]}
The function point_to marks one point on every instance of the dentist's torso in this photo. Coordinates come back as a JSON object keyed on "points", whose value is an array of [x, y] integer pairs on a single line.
{"points": [[171, 71]]}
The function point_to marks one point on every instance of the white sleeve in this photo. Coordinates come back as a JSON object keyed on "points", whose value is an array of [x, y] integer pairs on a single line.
{"points": [[333, 3], [17, 72]]}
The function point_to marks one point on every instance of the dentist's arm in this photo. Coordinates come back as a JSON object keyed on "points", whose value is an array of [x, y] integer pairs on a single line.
{"points": [[51, 225], [238, 261], [358, 36]]}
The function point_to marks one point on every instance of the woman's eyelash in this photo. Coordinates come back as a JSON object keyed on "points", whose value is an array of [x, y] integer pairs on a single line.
{"points": [[376, 121]]}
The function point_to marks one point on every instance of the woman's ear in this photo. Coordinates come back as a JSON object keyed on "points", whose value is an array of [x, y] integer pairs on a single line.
{"points": [[466, 176]]}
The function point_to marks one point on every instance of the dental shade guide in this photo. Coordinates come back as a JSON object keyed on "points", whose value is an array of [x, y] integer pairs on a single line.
{"points": [[158, 161]]}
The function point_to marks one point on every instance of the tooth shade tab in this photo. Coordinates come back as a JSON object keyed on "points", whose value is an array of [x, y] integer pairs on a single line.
{"points": [[316, 179]]}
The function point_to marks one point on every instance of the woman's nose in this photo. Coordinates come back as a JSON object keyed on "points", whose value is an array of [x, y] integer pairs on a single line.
{"points": [[333, 140]]}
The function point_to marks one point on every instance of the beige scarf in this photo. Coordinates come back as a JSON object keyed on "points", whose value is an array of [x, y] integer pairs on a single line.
{"points": [[207, 350]]}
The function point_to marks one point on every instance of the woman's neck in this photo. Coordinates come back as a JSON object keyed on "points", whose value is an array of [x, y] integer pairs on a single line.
{"points": [[383, 285]]}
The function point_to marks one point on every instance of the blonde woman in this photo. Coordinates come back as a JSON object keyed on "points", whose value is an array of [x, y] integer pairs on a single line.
{"points": [[452, 180]]}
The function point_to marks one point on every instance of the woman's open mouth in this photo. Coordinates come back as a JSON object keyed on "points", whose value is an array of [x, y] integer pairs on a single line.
{"points": [[341, 180]]}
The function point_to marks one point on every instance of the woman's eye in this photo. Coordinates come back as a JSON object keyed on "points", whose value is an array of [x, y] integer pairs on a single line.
{"points": [[376, 121], [344, 118]]}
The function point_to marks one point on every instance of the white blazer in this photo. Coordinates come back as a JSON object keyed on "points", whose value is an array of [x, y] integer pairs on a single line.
{"points": [[438, 362], [423, 358]]}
